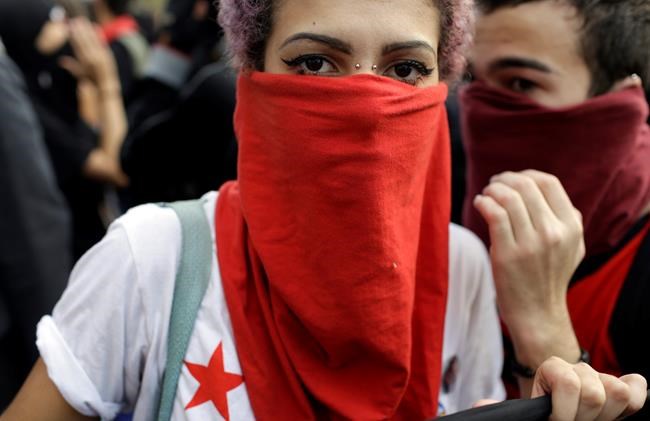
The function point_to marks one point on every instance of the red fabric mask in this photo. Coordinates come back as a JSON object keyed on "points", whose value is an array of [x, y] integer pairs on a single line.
{"points": [[333, 246], [600, 151]]}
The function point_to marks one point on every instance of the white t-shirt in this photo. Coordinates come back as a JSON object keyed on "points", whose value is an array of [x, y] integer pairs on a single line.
{"points": [[105, 345], [472, 351]]}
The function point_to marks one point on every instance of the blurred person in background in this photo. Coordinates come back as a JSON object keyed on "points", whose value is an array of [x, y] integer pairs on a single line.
{"points": [[122, 33], [559, 89], [56, 56], [35, 257], [181, 140]]}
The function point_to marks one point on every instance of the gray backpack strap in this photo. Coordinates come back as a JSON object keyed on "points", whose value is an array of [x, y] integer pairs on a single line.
{"points": [[192, 281]]}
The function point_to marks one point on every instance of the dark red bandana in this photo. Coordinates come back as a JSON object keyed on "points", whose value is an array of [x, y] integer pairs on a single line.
{"points": [[600, 151]]}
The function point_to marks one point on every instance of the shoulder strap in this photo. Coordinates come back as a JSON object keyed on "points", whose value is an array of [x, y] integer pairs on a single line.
{"points": [[192, 281]]}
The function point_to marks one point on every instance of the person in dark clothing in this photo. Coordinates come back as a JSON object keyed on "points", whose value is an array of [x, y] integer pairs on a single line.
{"points": [[181, 139], [122, 33], [161, 166], [35, 256], [560, 89], [57, 57]]}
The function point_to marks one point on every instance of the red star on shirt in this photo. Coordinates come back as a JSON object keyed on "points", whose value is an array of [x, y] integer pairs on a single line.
{"points": [[214, 383]]}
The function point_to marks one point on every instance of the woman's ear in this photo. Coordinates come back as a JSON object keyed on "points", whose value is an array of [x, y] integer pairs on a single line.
{"points": [[632, 81]]}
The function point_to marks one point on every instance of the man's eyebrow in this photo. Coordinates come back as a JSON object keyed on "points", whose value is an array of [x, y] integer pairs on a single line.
{"points": [[331, 42], [390, 48], [518, 62]]}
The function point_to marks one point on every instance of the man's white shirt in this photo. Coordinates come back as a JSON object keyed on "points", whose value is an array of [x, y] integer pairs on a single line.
{"points": [[105, 345]]}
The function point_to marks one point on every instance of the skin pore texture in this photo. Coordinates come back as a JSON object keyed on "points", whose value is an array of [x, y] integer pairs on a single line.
{"points": [[533, 48], [402, 45]]}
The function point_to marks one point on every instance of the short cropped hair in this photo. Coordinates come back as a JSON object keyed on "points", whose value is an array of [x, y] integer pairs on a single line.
{"points": [[615, 37], [248, 23]]}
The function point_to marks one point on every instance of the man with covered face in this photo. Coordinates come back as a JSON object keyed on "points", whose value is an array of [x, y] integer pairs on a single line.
{"points": [[559, 90]]}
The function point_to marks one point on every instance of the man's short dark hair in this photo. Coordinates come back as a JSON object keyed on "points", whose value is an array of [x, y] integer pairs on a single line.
{"points": [[118, 7], [615, 37]]}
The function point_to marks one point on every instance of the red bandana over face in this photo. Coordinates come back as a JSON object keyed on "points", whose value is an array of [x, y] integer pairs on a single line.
{"points": [[333, 246], [600, 151]]}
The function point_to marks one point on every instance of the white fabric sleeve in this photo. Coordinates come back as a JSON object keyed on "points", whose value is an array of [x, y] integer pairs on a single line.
{"points": [[480, 375], [95, 342]]}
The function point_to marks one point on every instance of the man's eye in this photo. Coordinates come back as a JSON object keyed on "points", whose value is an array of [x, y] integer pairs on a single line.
{"points": [[408, 71], [311, 65], [521, 85]]}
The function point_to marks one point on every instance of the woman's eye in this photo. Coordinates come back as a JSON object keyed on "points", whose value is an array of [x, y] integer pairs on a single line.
{"points": [[409, 71], [314, 64], [403, 70], [521, 85], [311, 65]]}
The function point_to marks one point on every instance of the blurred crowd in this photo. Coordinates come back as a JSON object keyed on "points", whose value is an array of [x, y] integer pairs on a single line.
{"points": [[104, 104]]}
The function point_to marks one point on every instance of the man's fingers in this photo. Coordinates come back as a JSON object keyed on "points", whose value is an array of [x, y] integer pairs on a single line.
{"points": [[592, 393], [72, 66], [484, 402], [618, 396], [497, 219], [513, 203], [638, 393], [555, 195], [539, 209], [556, 377]]}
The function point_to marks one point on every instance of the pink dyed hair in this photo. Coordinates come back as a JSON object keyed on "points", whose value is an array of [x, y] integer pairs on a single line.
{"points": [[247, 23]]}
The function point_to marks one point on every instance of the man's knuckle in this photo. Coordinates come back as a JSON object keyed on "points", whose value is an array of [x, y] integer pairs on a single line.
{"points": [[570, 382], [593, 395], [551, 235], [618, 391], [549, 181]]}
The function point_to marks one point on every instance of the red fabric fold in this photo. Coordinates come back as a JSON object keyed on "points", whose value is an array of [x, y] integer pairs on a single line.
{"points": [[333, 246], [600, 151]]}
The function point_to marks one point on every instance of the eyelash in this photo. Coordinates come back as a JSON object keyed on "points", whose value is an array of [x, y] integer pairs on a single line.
{"points": [[296, 62], [419, 66], [416, 65]]}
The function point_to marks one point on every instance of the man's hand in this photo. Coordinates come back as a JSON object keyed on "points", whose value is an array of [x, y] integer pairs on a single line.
{"points": [[536, 245], [580, 393], [93, 59]]}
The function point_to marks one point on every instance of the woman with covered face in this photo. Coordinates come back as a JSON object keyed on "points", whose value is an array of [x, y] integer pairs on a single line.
{"points": [[330, 253]]}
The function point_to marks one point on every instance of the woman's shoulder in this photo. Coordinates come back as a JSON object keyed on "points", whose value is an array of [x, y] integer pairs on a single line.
{"points": [[470, 272], [154, 230], [468, 257]]}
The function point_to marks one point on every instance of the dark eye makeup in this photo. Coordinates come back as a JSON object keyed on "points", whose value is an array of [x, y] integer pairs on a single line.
{"points": [[407, 71]]}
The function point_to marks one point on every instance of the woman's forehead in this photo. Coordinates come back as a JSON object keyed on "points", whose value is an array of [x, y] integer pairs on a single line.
{"points": [[378, 20]]}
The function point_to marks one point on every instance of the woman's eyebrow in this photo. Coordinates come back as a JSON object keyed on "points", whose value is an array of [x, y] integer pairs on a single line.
{"points": [[407, 45], [331, 42]]}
